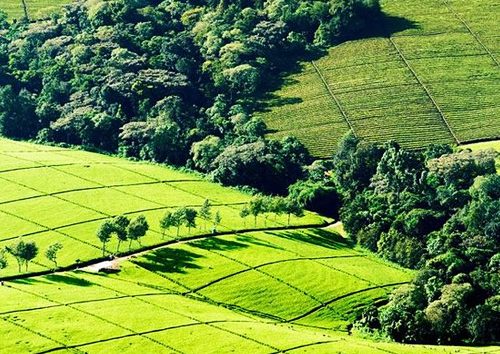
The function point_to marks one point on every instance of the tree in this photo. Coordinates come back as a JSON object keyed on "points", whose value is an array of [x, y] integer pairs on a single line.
{"points": [[52, 252], [244, 213], [121, 223], [217, 220], [3, 260], [256, 207], [166, 222], [292, 207], [137, 229], [178, 219], [104, 233], [205, 211], [23, 252], [190, 218]]}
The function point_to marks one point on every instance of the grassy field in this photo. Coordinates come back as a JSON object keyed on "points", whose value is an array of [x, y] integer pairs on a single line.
{"points": [[260, 292], [52, 195], [431, 76], [36, 8], [263, 291]]}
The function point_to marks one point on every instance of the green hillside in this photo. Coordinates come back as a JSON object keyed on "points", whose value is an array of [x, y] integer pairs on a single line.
{"points": [[263, 292], [433, 79], [58, 195], [268, 291], [36, 8]]}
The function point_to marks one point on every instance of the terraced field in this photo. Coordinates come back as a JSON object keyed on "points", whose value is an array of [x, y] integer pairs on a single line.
{"points": [[260, 292], [36, 8], [52, 195], [431, 76]]}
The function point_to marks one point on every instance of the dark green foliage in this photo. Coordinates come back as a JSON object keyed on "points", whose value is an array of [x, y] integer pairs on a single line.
{"points": [[137, 229], [167, 81], [437, 211], [52, 252], [23, 252]]}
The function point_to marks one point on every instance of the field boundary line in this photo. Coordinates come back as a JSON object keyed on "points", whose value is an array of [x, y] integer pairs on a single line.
{"points": [[441, 113], [335, 99], [307, 345], [40, 334], [215, 281], [167, 243], [471, 32], [331, 301], [103, 319]]}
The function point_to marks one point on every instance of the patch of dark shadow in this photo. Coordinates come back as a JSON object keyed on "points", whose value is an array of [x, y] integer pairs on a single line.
{"points": [[380, 25], [254, 241], [58, 278], [169, 260], [218, 244], [318, 237], [28, 281]]}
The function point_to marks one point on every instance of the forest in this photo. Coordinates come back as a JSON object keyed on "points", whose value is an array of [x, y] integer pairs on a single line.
{"points": [[177, 82], [167, 81]]}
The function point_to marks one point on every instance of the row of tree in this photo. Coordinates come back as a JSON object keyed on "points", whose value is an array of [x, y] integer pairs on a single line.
{"points": [[25, 252]]}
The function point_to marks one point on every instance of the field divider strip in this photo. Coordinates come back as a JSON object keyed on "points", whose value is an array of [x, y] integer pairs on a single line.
{"points": [[64, 346], [428, 93], [307, 345], [191, 317], [215, 281], [45, 297], [331, 301], [471, 32], [335, 99]]}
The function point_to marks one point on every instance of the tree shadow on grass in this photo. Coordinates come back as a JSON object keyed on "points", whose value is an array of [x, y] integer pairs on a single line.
{"points": [[58, 278], [317, 237], [169, 260], [218, 244]]}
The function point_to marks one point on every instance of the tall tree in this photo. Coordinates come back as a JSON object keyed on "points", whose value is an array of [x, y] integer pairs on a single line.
{"points": [[190, 218], [104, 233], [205, 211], [121, 223], [137, 229], [52, 252]]}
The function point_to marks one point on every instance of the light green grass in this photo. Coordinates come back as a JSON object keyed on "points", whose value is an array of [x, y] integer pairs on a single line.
{"points": [[36, 8], [381, 96], [153, 306], [50, 194]]}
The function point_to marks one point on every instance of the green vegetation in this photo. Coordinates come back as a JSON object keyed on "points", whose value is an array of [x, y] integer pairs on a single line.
{"points": [[53, 195], [437, 211], [172, 81], [247, 292], [36, 8], [427, 74]]}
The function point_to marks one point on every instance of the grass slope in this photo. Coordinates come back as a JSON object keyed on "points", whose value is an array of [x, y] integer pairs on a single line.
{"points": [[260, 292], [50, 194], [431, 76], [36, 8]]}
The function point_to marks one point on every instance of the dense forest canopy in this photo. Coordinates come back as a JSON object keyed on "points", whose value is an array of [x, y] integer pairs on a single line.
{"points": [[438, 211], [170, 81]]}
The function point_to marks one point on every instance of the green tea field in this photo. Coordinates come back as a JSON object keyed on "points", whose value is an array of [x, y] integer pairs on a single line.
{"points": [[261, 292], [430, 76], [36, 8], [52, 195], [278, 289]]}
